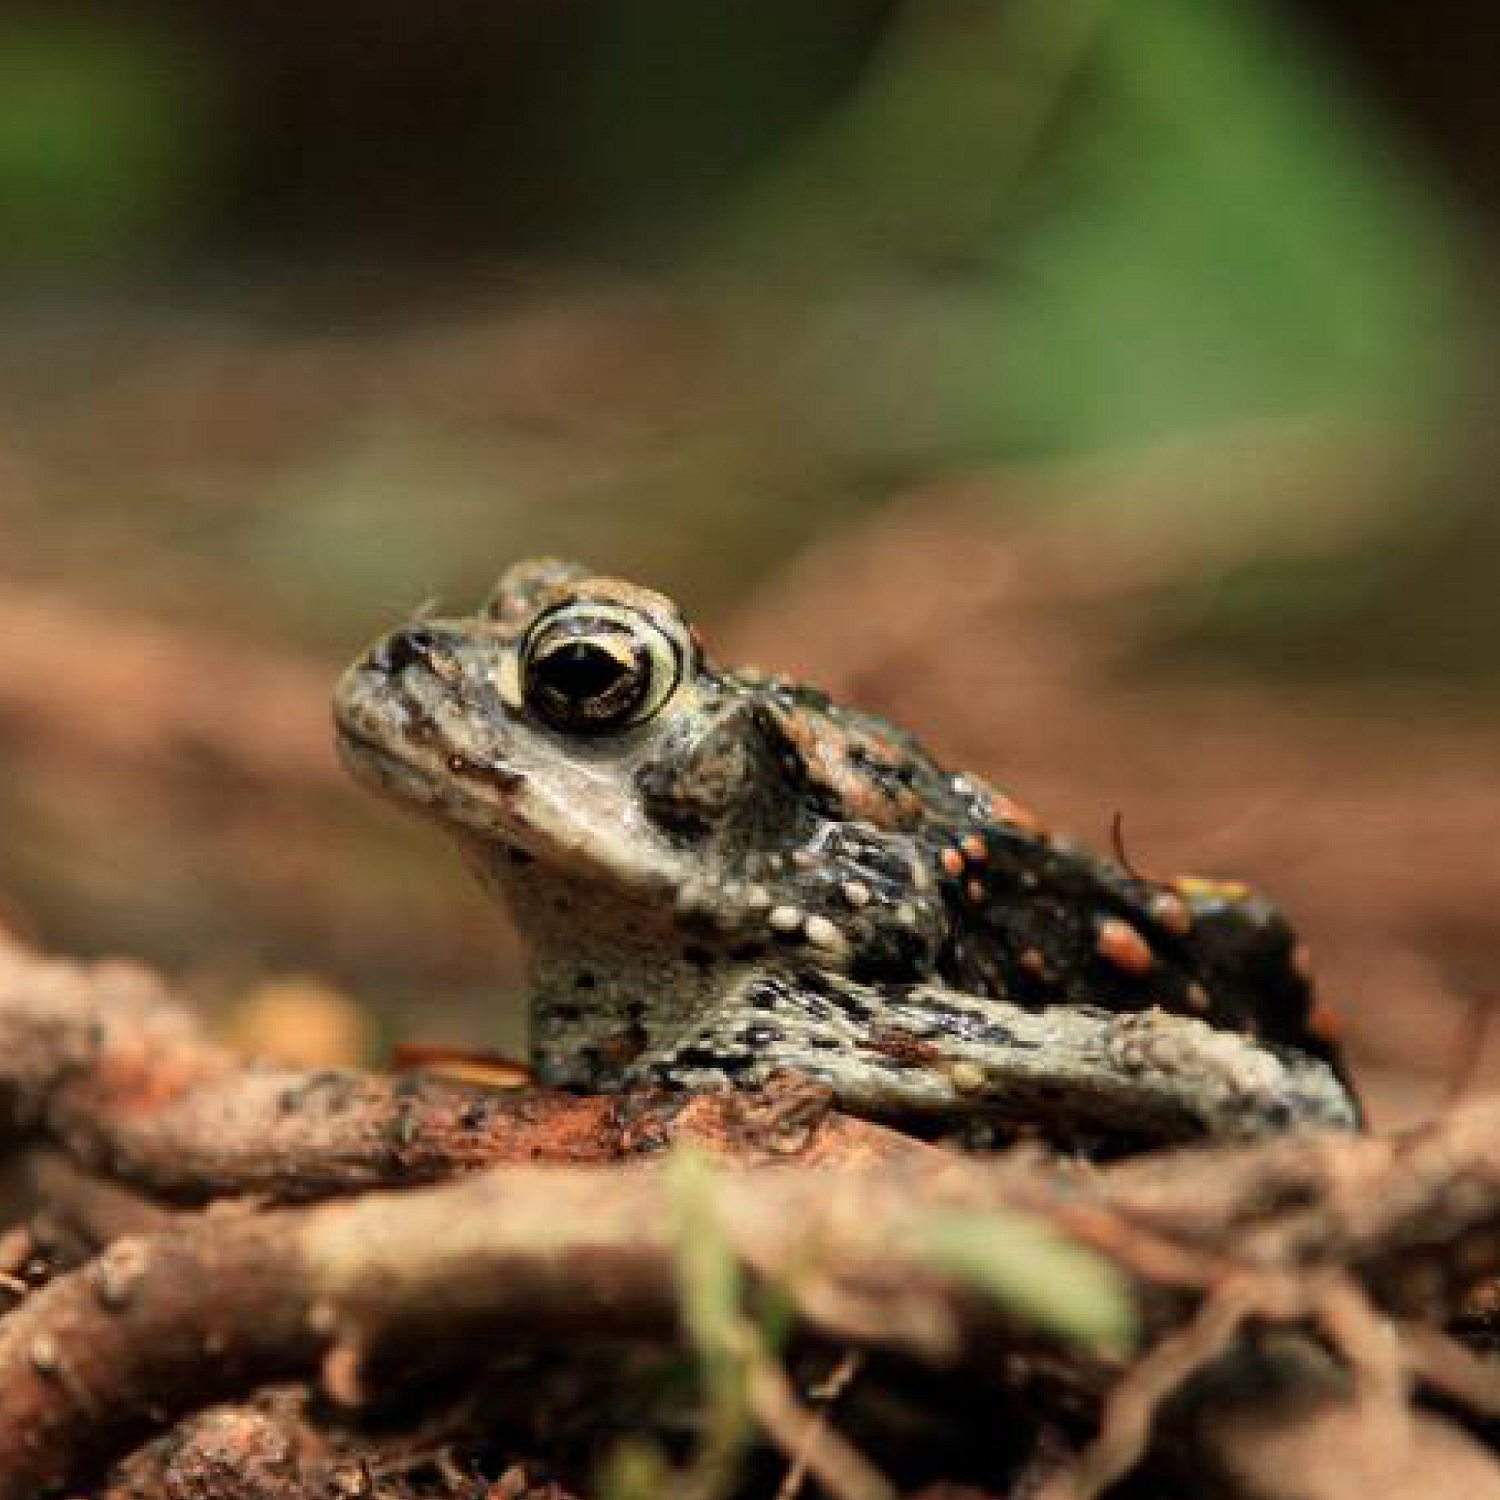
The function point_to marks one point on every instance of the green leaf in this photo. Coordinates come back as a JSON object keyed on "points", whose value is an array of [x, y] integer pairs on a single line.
{"points": [[1031, 1270], [709, 1286]]}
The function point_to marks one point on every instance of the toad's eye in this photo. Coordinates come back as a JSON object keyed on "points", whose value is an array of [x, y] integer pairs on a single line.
{"points": [[593, 669]]}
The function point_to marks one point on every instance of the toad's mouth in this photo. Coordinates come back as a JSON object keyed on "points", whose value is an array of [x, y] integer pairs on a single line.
{"points": [[494, 804], [364, 754], [376, 760], [374, 764]]}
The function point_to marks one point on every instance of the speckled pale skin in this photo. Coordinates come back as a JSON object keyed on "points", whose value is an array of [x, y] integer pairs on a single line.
{"points": [[723, 876]]}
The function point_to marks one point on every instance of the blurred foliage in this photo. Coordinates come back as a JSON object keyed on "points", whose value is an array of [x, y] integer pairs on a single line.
{"points": [[782, 262], [1058, 225], [1032, 1271], [668, 108], [1015, 226], [101, 135]]}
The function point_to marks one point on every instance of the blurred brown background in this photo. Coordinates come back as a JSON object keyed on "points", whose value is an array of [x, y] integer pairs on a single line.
{"points": [[1105, 390]]}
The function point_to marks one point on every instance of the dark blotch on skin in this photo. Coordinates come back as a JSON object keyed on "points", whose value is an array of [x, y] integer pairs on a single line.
{"points": [[402, 649], [707, 1059], [893, 955], [661, 796], [812, 981], [504, 781]]}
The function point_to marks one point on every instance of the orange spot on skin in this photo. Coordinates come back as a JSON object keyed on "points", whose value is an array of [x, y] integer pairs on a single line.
{"points": [[828, 751], [974, 890], [1008, 810], [1323, 1021], [1032, 961], [1302, 962], [952, 862], [973, 847], [1123, 946], [1171, 911]]}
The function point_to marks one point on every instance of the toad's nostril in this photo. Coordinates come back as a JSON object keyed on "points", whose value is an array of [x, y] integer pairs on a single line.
{"points": [[402, 649]]}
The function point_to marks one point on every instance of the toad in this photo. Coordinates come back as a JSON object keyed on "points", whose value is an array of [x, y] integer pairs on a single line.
{"points": [[724, 876]]}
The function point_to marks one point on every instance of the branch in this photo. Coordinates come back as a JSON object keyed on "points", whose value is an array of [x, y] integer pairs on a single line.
{"points": [[168, 1321], [101, 1060], [1329, 1235]]}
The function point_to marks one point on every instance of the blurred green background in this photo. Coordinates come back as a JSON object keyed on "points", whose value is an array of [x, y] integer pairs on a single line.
{"points": [[1181, 307]]}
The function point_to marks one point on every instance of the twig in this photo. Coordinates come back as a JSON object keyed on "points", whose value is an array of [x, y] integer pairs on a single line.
{"points": [[1448, 1366], [827, 1392], [807, 1439], [1117, 844], [1133, 1404]]}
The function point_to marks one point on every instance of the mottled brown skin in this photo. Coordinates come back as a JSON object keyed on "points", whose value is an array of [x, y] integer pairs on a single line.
{"points": [[724, 875]]}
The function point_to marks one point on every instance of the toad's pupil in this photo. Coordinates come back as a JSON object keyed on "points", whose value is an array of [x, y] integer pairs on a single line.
{"points": [[580, 671], [586, 683]]}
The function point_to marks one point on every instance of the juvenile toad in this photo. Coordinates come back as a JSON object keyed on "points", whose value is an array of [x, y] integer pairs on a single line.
{"points": [[724, 876]]}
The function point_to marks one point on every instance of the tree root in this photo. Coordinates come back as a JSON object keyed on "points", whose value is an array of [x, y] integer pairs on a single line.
{"points": [[258, 1227]]}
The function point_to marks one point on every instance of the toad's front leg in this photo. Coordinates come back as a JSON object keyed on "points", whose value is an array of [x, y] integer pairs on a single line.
{"points": [[1145, 1076]]}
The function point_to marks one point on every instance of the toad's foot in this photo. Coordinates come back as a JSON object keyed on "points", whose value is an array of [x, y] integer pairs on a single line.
{"points": [[925, 1049]]}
